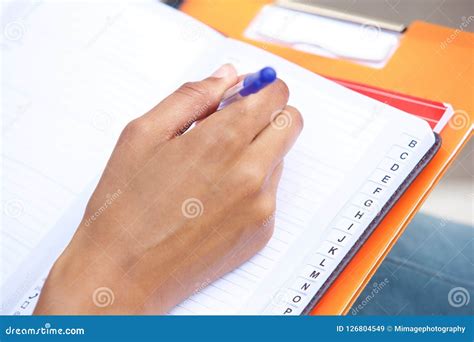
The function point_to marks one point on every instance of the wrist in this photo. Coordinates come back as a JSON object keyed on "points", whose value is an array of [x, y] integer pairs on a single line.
{"points": [[86, 280]]}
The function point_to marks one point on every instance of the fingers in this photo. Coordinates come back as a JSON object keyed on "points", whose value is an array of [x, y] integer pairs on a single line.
{"points": [[248, 167], [248, 116], [190, 102], [275, 140], [261, 219], [274, 180]]}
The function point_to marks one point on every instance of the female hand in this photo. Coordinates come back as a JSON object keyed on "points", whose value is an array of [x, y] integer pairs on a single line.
{"points": [[173, 211]]}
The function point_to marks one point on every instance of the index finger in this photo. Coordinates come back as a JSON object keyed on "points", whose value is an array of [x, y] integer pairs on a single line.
{"points": [[251, 114], [274, 142]]}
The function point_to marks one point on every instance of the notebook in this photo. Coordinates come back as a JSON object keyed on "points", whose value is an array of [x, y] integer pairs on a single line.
{"points": [[99, 64]]}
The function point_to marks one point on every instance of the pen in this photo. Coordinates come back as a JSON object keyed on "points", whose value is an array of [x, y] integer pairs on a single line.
{"points": [[251, 84]]}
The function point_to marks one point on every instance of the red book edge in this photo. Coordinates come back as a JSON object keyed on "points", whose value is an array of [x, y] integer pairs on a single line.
{"points": [[437, 114]]}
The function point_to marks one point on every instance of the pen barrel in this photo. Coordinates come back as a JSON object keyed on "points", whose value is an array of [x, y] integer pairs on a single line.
{"points": [[233, 90], [228, 100], [232, 94]]}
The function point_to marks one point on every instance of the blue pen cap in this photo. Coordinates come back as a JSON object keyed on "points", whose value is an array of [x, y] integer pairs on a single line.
{"points": [[254, 82]]}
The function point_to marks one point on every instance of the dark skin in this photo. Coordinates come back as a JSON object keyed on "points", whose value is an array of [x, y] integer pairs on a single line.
{"points": [[172, 211]]}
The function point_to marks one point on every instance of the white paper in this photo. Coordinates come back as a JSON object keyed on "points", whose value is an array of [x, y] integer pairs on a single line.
{"points": [[95, 70]]}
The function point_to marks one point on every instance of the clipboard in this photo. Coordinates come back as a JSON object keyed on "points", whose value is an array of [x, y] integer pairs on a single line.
{"points": [[431, 62]]}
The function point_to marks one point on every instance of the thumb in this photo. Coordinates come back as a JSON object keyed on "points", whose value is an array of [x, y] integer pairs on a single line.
{"points": [[191, 102]]}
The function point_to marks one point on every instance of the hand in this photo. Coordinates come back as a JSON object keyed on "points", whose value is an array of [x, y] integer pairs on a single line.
{"points": [[175, 208]]}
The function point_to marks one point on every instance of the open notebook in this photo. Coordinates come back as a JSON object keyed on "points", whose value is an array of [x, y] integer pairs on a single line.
{"points": [[78, 72]]}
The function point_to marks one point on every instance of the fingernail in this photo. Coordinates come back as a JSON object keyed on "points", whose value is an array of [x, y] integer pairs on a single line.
{"points": [[225, 71]]}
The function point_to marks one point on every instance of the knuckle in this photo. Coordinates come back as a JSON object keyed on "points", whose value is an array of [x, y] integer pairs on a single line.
{"points": [[265, 233], [229, 137], [297, 118], [252, 177], [207, 141], [245, 105], [281, 89], [135, 128], [193, 90], [266, 209], [277, 94]]}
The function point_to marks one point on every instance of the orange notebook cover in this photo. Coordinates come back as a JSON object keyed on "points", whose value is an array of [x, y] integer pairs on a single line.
{"points": [[431, 62]]}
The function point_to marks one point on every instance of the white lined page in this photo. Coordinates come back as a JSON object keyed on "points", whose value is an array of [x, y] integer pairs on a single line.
{"points": [[331, 156], [122, 60], [94, 69]]}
